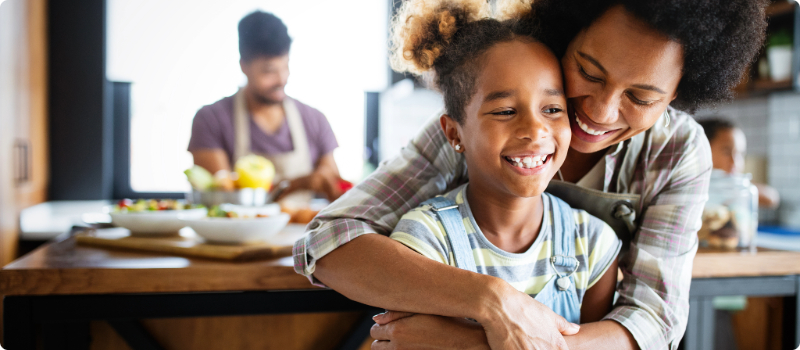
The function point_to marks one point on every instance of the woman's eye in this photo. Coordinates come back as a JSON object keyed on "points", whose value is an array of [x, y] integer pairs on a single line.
{"points": [[638, 101], [587, 76]]}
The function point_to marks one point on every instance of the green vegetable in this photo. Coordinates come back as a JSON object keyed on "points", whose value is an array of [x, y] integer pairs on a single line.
{"points": [[216, 212], [200, 178]]}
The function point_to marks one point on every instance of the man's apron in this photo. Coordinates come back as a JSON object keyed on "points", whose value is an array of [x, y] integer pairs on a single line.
{"points": [[288, 166]]}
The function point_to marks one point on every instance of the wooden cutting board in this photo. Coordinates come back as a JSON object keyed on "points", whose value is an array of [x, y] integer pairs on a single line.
{"points": [[187, 243]]}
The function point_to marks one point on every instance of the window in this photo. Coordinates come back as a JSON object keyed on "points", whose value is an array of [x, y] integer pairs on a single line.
{"points": [[180, 55]]}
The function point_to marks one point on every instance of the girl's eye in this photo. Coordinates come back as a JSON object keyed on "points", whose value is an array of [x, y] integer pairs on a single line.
{"points": [[507, 112], [587, 76], [552, 110]]}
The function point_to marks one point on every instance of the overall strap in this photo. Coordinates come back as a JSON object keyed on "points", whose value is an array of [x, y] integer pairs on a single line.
{"points": [[453, 224], [563, 234]]}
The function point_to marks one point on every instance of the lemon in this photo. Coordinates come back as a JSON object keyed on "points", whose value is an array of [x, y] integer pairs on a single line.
{"points": [[254, 172]]}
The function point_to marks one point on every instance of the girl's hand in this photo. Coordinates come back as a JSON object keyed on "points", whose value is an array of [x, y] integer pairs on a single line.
{"points": [[419, 331]]}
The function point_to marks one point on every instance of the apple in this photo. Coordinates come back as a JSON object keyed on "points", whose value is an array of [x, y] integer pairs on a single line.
{"points": [[254, 172]]}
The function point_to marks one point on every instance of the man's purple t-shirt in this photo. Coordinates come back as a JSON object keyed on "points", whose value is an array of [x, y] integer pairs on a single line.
{"points": [[212, 128]]}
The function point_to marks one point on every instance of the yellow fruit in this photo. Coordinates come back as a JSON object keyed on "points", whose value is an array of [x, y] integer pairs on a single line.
{"points": [[254, 172]]}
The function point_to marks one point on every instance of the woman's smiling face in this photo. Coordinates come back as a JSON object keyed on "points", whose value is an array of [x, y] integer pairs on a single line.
{"points": [[620, 76], [515, 133]]}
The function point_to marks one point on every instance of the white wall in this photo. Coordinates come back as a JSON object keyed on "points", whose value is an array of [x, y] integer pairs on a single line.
{"points": [[181, 55]]}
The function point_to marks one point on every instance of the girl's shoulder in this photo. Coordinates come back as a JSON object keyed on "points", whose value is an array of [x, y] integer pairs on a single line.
{"points": [[596, 243]]}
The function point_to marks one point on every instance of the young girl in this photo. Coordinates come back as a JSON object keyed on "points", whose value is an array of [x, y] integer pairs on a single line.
{"points": [[506, 114]]}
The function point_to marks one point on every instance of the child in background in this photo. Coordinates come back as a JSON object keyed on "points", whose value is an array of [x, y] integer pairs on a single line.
{"points": [[506, 114], [728, 148]]}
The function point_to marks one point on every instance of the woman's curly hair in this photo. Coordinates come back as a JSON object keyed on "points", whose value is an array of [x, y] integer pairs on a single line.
{"points": [[719, 37], [449, 37]]}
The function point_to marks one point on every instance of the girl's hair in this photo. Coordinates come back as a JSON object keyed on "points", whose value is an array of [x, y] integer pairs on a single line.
{"points": [[714, 125], [719, 37], [450, 37]]}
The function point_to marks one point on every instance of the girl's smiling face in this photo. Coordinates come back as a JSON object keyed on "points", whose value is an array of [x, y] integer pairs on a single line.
{"points": [[515, 133]]}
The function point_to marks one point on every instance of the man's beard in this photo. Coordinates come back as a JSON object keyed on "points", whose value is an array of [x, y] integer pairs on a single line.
{"points": [[264, 100]]}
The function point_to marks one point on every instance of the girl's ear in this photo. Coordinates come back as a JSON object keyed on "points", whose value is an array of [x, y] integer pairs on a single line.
{"points": [[450, 128]]}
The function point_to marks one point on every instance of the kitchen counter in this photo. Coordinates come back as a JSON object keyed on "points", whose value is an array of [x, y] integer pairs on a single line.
{"points": [[70, 281]]}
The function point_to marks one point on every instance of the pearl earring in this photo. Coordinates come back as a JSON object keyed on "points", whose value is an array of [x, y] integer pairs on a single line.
{"points": [[458, 147]]}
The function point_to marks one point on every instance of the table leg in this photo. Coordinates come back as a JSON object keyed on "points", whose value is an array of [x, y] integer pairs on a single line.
{"points": [[360, 331], [66, 335], [700, 328], [134, 334], [791, 319], [18, 329], [797, 307]]}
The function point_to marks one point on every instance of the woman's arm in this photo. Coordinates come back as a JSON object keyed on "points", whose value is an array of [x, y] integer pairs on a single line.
{"points": [[373, 269], [409, 331], [653, 302], [379, 271]]}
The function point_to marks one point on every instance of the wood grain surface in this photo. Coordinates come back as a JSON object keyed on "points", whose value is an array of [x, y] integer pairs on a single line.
{"points": [[764, 262], [185, 244], [63, 267]]}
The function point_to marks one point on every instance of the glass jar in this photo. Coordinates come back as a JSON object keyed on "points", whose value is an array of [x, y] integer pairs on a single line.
{"points": [[730, 218]]}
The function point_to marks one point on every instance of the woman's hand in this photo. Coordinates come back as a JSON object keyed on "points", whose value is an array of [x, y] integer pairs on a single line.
{"points": [[418, 331], [520, 322], [528, 324]]}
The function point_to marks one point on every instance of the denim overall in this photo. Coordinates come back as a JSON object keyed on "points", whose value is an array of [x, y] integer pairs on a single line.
{"points": [[559, 294]]}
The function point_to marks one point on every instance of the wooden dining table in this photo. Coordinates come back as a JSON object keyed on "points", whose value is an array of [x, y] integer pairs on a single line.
{"points": [[51, 294]]}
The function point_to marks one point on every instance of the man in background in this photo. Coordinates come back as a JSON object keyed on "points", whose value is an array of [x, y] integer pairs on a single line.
{"points": [[261, 119]]}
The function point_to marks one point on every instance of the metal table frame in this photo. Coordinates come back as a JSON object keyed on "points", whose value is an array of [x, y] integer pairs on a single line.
{"points": [[700, 328], [63, 320]]}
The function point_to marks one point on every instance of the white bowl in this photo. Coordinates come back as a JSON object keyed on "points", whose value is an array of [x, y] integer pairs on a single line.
{"points": [[238, 230], [158, 222], [271, 209]]}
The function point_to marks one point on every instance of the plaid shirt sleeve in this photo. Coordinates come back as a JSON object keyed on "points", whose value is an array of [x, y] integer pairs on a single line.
{"points": [[653, 301], [426, 167]]}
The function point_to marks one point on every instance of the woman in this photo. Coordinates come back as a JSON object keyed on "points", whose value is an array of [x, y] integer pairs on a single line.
{"points": [[625, 63]]}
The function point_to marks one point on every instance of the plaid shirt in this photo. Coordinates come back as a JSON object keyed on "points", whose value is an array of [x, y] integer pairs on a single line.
{"points": [[669, 166]]}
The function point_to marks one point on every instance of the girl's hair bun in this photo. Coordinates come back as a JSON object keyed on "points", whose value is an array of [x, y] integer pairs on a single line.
{"points": [[422, 29], [512, 9]]}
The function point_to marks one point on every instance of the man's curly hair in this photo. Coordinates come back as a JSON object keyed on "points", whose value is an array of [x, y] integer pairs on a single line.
{"points": [[719, 37]]}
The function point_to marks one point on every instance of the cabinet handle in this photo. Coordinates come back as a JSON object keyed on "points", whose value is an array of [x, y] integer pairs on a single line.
{"points": [[22, 160]]}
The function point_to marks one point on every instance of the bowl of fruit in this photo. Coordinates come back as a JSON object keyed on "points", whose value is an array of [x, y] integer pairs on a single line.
{"points": [[251, 183], [154, 216], [232, 224]]}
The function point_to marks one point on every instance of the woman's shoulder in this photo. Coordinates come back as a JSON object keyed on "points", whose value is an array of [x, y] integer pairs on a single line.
{"points": [[675, 141], [680, 132]]}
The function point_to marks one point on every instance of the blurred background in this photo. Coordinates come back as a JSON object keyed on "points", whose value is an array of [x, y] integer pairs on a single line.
{"points": [[97, 99], [98, 96]]}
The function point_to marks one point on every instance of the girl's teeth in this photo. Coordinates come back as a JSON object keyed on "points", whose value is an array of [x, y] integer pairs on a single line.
{"points": [[528, 162], [587, 129]]}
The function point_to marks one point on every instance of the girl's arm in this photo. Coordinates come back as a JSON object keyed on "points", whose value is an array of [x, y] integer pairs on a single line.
{"points": [[597, 303]]}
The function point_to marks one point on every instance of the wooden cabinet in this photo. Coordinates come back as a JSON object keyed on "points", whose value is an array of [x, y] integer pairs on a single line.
{"points": [[23, 115]]}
